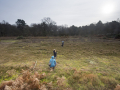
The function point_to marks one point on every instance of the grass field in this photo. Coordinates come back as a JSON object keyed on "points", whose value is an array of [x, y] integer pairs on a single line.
{"points": [[82, 64]]}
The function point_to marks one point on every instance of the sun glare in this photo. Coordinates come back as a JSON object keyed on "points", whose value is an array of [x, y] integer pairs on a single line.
{"points": [[108, 8]]}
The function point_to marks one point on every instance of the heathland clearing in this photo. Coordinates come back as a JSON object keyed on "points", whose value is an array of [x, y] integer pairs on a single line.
{"points": [[86, 63]]}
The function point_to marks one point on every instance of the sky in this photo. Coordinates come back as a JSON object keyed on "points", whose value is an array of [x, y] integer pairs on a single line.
{"points": [[63, 12]]}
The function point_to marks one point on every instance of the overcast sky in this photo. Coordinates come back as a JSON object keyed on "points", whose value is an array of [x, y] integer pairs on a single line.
{"points": [[70, 12]]}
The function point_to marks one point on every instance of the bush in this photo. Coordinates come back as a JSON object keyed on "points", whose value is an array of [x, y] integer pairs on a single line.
{"points": [[117, 36], [26, 81], [109, 35], [20, 37]]}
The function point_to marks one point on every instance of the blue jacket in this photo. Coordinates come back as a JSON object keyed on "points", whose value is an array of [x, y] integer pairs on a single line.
{"points": [[52, 61]]}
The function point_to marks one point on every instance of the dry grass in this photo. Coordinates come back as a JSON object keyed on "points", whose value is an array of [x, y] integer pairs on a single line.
{"points": [[25, 82], [82, 64]]}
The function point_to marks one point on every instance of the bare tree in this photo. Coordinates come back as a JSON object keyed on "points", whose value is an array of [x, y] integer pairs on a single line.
{"points": [[50, 24]]}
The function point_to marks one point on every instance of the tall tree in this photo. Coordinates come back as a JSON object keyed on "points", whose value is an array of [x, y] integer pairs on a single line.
{"points": [[20, 24], [99, 27], [48, 25]]}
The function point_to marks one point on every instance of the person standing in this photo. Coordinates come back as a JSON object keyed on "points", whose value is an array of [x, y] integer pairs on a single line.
{"points": [[62, 43], [52, 63], [54, 53]]}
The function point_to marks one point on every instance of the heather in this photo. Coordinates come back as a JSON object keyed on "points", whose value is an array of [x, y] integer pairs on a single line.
{"points": [[83, 63]]}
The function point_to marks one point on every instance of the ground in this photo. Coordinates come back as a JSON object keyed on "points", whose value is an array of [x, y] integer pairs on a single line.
{"points": [[85, 63]]}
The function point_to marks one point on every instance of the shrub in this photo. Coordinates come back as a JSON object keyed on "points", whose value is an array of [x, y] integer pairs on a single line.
{"points": [[117, 87], [20, 37], [117, 36], [109, 35], [110, 83], [25, 82]]}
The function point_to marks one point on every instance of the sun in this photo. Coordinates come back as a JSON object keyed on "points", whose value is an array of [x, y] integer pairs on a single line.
{"points": [[108, 8]]}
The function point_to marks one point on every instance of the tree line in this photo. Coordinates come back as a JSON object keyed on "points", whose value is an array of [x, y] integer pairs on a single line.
{"points": [[48, 27]]}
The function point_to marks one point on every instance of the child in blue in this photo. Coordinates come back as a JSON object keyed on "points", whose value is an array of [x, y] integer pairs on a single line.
{"points": [[52, 62]]}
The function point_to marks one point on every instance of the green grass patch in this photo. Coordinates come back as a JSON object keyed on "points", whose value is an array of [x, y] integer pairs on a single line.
{"points": [[82, 64]]}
